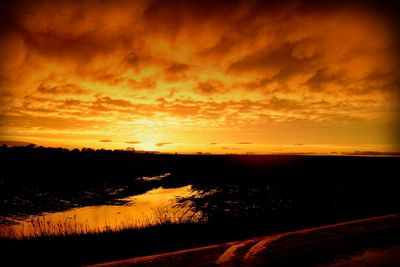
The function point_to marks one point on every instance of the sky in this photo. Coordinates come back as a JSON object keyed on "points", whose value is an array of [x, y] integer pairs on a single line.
{"points": [[201, 76]]}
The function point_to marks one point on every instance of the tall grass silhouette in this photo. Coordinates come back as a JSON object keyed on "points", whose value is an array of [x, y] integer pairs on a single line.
{"points": [[41, 227]]}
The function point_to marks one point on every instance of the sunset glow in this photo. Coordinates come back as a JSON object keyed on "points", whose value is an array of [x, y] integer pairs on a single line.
{"points": [[199, 76]]}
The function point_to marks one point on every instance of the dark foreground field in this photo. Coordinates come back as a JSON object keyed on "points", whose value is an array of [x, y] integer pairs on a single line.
{"points": [[238, 197]]}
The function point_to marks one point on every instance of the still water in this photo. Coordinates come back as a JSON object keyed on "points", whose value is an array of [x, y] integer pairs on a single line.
{"points": [[153, 207]]}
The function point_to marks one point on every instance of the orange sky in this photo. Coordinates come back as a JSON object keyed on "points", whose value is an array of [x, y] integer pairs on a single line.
{"points": [[185, 76]]}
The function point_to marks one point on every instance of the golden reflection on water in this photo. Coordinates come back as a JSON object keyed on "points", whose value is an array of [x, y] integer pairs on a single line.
{"points": [[153, 207]]}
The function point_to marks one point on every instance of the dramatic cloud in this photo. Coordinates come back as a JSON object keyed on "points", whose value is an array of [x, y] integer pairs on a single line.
{"points": [[209, 87], [63, 89], [163, 143], [201, 73]]}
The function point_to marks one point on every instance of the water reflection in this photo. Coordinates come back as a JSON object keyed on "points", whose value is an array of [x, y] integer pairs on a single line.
{"points": [[153, 207], [220, 203]]}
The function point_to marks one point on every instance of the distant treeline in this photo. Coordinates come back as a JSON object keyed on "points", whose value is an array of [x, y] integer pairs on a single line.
{"points": [[63, 167]]}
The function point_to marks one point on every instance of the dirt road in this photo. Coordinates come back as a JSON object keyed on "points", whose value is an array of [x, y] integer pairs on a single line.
{"points": [[373, 241]]}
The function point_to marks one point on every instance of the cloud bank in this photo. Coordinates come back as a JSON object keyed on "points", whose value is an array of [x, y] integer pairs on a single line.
{"points": [[282, 71]]}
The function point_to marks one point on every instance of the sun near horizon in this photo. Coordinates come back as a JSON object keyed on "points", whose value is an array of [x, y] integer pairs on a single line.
{"points": [[187, 77]]}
